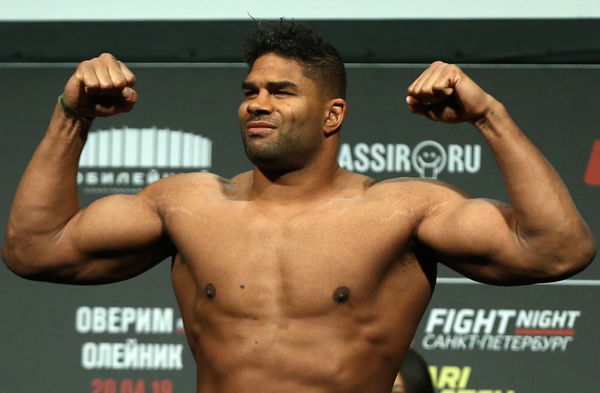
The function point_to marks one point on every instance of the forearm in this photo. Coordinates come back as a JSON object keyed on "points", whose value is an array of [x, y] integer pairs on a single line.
{"points": [[46, 197], [544, 215]]}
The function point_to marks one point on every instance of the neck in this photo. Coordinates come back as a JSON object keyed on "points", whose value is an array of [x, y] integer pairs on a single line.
{"points": [[306, 183]]}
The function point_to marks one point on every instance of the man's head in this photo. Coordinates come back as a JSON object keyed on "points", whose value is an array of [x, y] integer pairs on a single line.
{"points": [[291, 108], [319, 59]]}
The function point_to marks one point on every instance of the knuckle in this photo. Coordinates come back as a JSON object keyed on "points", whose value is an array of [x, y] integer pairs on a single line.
{"points": [[453, 67], [84, 65], [426, 90], [119, 82], [106, 85]]}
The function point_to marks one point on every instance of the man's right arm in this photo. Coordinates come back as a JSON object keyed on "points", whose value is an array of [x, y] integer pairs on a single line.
{"points": [[48, 236]]}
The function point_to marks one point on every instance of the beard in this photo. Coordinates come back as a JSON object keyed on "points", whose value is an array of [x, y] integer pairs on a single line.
{"points": [[283, 151]]}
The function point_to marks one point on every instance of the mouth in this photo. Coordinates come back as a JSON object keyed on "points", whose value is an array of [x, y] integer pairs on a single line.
{"points": [[259, 127]]}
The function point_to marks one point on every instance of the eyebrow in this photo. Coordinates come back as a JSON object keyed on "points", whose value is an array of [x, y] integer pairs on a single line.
{"points": [[271, 85]]}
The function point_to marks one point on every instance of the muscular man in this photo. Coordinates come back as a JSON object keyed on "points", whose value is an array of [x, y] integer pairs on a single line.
{"points": [[297, 276]]}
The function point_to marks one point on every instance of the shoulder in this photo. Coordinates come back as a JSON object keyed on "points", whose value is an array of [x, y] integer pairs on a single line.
{"points": [[403, 188], [417, 193], [175, 188], [402, 185]]}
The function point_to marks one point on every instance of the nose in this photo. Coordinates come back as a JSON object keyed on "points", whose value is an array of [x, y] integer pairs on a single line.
{"points": [[260, 103]]}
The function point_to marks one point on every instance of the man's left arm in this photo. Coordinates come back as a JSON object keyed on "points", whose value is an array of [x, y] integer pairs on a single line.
{"points": [[540, 236]]}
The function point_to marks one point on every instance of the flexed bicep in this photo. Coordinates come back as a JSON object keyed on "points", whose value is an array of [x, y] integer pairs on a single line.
{"points": [[480, 239], [115, 238]]}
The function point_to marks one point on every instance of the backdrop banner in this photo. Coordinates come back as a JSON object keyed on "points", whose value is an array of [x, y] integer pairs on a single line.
{"points": [[128, 337]]}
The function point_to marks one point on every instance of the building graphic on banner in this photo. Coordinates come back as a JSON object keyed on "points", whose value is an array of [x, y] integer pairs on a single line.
{"points": [[510, 330], [124, 160], [427, 158]]}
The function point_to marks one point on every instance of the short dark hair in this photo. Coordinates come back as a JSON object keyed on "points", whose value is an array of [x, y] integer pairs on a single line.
{"points": [[321, 61]]}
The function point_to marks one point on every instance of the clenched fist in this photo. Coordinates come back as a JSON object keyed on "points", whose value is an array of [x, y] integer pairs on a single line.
{"points": [[102, 87], [443, 92]]}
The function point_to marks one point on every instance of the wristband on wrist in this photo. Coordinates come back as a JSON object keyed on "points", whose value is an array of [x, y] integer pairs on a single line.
{"points": [[72, 112]]}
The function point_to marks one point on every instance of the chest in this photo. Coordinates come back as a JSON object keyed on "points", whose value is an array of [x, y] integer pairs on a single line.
{"points": [[244, 257]]}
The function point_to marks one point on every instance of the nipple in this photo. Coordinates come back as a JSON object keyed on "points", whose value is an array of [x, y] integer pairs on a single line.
{"points": [[341, 295], [210, 291]]}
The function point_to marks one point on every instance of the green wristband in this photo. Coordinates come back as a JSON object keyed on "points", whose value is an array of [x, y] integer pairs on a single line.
{"points": [[72, 112]]}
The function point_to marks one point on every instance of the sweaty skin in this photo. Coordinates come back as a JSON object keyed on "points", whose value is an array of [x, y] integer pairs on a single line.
{"points": [[297, 276]]}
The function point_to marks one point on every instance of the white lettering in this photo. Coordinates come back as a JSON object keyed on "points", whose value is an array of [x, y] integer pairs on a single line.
{"points": [[464, 321], [137, 178], [131, 356], [361, 164], [402, 158], [152, 176], [91, 178], [455, 159], [436, 318], [107, 178], [495, 343], [99, 320], [505, 316], [123, 178], [547, 319], [378, 154], [116, 320], [472, 158], [427, 158], [83, 320], [482, 321], [449, 320], [162, 320]]}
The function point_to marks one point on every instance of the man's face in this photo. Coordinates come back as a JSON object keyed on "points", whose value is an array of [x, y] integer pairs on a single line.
{"points": [[281, 115]]}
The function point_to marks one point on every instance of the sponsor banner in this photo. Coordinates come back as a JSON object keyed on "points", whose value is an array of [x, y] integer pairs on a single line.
{"points": [[125, 160], [427, 158], [468, 329], [129, 354]]}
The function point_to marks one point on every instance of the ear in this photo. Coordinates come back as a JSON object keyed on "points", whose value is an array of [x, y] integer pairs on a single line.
{"points": [[334, 116]]}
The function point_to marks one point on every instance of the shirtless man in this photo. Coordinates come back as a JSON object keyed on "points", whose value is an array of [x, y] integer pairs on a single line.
{"points": [[297, 276]]}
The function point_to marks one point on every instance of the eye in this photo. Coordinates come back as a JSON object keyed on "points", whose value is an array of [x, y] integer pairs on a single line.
{"points": [[249, 93], [282, 93]]}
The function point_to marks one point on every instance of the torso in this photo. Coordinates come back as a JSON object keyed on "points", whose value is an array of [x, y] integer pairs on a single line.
{"points": [[320, 297]]}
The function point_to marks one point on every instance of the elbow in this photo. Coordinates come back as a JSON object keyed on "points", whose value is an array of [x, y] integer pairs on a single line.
{"points": [[11, 256], [36, 269], [17, 261], [25, 259], [584, 251], [555, 258], [585, 255], [13, 263], [573, 258]]}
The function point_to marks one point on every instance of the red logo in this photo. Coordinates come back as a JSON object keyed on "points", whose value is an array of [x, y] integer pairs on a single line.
{"points": [[592, 174]]}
